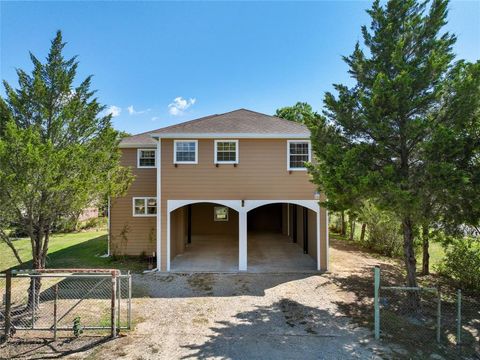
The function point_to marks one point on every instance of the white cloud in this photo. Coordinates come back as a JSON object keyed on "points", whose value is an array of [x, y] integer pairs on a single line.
{"points": [[132, 111], [179, 105], [113, 110], [155, 118]]}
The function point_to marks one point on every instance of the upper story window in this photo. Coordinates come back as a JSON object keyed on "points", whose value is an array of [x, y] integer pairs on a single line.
{"points": [[298, 154], [185, 152], [144, 206], [146, 158], [226, 152]]}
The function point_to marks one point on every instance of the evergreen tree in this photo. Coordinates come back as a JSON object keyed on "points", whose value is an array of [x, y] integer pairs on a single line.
{"points": [[58, 153], [382, 123]]}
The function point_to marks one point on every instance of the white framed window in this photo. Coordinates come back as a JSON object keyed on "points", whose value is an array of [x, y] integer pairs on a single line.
{"points": [[144, 206], [298, 153], [226, 152], [220, 213], [185, 151], [146, 158]]}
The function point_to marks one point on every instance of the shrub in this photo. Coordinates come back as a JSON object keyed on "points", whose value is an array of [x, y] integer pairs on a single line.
{"points": [[462, 262], [383, 231]]}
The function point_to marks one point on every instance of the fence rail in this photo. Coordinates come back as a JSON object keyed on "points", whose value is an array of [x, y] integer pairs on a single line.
{"points": [[65, 300]]}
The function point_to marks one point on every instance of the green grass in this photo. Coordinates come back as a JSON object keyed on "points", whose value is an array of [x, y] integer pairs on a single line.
{"points": [[72, 250]]}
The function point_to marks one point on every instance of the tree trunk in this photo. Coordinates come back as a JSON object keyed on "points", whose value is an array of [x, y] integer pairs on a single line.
{"points": [[40, 250], [352, 229], [343, 229], [413, 298], [362, 233], [425, 251]]}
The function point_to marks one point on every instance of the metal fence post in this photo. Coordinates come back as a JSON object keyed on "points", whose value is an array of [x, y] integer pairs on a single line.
{"points": [[129, 315], [113, 320], [34, 306], [119, 301], [459, 316], [55, 300], [8, 303], [439, 314], [376, 301]]}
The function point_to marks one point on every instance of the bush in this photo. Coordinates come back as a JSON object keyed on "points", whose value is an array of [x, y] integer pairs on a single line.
{"points": [[462, 262], [383, 233]]}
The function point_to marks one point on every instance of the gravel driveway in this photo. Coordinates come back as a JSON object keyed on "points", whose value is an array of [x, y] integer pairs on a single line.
{"points": [[245, 316]]}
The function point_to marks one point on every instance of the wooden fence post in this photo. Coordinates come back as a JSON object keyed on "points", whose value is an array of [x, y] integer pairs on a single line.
{"points": [[8, 304]]}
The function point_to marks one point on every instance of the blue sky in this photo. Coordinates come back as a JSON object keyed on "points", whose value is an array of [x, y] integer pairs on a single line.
{"points": [[211, 57]]}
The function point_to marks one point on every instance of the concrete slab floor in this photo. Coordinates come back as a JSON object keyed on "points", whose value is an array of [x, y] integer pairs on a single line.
{"points": [[267, 252]]}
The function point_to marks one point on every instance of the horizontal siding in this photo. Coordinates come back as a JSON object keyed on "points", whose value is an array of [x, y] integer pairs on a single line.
{"points": [[140, 232], [261, 174]]}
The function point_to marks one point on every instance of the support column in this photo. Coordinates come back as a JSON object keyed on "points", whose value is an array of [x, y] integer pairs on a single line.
{"points": [[159, 205], [242, 240], [319, 266]]}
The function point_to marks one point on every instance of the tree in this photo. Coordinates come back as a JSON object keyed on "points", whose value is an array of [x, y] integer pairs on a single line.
{"points": [[58, 153], [301, 112], [385, 118]]}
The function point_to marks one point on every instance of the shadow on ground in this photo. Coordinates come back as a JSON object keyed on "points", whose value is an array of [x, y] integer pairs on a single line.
{"points": [[285, 329], [49, 349]]}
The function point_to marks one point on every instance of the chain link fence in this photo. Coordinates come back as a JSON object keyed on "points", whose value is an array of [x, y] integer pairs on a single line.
{"points": [[449, 319], [73, 301]]}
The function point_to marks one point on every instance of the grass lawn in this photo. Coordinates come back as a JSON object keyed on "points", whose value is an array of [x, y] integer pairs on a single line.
{"points": [[72, 250]]}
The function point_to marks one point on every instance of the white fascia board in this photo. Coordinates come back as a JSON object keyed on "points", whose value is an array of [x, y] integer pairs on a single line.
{"points": [[143, 146], [228, 136]]}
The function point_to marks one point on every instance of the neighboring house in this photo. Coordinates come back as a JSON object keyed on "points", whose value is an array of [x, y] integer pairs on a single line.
{"points": [[225, 192]]}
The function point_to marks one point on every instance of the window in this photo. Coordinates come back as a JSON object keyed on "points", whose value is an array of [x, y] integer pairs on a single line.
{"points": [[185, 152], [226, 152], [146, 158], [298, 154], [144, 206], [220, 213]]}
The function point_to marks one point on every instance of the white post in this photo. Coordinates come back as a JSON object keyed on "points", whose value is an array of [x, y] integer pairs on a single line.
{"points": [[168, 240], [159, 205], [319, 251], [242, 240], [108, 228], [327, 237]]}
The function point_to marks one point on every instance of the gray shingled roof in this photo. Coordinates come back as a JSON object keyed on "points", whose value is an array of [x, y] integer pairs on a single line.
{"points": [[240, 121]]}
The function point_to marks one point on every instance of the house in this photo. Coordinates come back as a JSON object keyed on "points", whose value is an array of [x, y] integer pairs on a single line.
{"points": [[226, 192]]}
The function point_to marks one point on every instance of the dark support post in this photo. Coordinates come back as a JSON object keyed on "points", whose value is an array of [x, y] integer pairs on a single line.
{"points": [[294, 214], [305, 230], [8, 304], [189, 224]]}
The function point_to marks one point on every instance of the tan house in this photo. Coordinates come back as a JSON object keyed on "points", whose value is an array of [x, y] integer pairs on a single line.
{"points": [[226, 192]]}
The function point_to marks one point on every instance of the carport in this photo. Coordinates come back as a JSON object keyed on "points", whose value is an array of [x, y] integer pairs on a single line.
{"points": [[204, 237], [244, 235], [281, 237]]}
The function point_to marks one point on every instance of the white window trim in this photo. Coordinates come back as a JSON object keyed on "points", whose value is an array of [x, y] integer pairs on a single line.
{"points": [[175, 151], [215, 161], [215, 213], [145, 198], [288, 154], [138, 158]]}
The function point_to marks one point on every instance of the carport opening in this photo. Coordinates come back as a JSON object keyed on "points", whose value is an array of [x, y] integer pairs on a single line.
{"points": [[204, 237], [282, 237]]}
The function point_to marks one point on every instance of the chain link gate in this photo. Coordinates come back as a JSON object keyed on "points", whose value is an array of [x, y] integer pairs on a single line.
{"points": [[65, 300]]}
